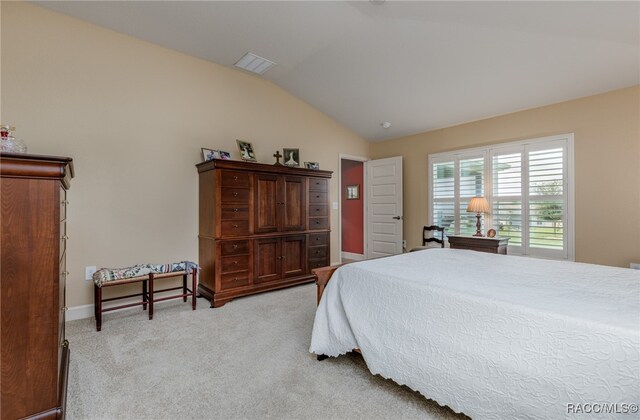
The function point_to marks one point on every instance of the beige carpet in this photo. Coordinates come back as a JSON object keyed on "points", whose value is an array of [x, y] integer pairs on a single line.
{"points": [[248, 359]]}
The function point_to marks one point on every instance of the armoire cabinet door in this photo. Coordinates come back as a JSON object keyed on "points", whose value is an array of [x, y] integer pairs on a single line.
{"points": [[293, 255], [294, 215], [266, 203], [268, 260]]}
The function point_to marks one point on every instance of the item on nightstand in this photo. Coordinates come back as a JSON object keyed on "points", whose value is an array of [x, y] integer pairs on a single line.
{"points": [[478, 205], [10, 144], [491, 233]]}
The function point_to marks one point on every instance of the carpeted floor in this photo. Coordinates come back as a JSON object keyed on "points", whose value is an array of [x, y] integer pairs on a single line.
{"points": [[248, 359]]}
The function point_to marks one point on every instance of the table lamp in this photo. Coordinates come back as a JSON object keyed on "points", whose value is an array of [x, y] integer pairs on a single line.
{"points": [[478, 205]]}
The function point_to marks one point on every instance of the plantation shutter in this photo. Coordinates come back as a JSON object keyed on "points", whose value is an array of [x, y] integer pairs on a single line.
{"points": [[443, 195], [546, 201], [507, 197]]}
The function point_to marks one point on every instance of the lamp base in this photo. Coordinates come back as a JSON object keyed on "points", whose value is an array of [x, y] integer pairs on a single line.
{"points": [[478, 225]]}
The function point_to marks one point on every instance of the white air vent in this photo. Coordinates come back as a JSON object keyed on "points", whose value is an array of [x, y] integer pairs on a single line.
{"points": [[254, 63]]}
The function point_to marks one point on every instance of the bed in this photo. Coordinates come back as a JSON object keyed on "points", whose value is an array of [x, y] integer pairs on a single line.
{"points": [[491, 336]]}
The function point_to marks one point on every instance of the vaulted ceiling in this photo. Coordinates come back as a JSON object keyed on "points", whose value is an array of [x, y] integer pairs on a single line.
{"points": [[418, 65]]}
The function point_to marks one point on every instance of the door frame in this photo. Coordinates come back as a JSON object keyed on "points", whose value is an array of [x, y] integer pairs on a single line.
{"points": [[362, 159]]}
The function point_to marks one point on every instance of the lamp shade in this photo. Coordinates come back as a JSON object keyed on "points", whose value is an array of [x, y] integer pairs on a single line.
{"points": [[478, 205]]}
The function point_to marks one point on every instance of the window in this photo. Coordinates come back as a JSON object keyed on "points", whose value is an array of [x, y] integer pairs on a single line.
{"points": [[529, 188]]}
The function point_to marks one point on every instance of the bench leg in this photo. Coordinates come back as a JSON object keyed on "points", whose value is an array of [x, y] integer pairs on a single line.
{"points": [[184, 287], [145, 297], [151, 296], [98, 307], [194, 286]]}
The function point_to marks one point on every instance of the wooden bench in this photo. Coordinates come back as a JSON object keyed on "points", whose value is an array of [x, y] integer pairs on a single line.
{"points": [[148, 293]]}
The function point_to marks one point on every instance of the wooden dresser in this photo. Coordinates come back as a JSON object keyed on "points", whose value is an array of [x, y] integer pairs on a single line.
{"points": [[35, 354], [496, 245], [262, 227]]}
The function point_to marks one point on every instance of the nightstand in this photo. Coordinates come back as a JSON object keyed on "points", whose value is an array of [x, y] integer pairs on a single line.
{"points": [[497, 245]]}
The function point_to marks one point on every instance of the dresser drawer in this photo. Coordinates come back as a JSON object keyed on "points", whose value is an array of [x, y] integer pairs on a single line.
{"points": [[317, 197], [234, 213], [316, 252], [234, 248], [63, 204], [234, 179], [316, 239], [234, 195], [318, 223], [230, 281], [234, 263], [318, 184], [235, 227], [316, 210]]}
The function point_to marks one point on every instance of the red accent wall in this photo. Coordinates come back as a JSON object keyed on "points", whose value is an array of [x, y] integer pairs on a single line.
{"points": [[352, 210]]}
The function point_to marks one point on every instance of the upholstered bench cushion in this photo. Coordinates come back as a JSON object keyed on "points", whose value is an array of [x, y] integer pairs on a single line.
{"points": [[107, 275]]}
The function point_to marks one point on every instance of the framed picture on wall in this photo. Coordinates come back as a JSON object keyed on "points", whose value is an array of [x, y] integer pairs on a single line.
{"points": [[225, 155], [312, 165], [353, 192]]}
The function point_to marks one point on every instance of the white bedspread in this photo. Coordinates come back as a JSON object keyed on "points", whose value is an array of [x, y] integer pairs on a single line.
{"points": [[488, 335]]}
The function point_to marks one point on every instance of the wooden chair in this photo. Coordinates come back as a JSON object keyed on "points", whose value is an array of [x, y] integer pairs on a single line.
{"points": [[432, 238]]}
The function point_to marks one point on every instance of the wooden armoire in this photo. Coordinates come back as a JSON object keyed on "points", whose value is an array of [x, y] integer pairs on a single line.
{"points": [[262, 227], [35, 353]]}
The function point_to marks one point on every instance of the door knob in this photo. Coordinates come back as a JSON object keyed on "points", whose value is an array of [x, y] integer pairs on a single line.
{"points": [[398, 217]]}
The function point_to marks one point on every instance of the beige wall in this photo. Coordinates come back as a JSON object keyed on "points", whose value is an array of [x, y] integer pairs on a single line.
{"points": [[607, 167], [134, 116]]}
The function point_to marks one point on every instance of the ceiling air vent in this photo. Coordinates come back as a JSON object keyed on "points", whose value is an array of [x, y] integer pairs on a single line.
{"points": [[254, 63]]}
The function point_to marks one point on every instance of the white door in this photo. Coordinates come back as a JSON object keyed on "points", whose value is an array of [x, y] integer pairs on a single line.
{"points": [[384, 207]]}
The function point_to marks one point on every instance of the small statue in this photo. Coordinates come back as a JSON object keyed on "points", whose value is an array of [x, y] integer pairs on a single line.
{"points": [[277, 155]]}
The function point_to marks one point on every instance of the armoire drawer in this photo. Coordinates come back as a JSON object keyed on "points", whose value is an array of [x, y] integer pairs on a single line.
{"points": [[318, 223], [234, 195], [315, 252], [235, 227], [235, 213], [316, 239], [316, 210], [318, 184], [234, 263], [318, 263], [234, 248], [317, 197], [234, 179], [232, 280]]}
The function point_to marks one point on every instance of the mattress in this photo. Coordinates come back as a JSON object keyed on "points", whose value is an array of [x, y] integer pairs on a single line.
{"points": [[491, 336]]}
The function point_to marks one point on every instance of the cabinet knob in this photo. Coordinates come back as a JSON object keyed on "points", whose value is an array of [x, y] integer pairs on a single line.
{"points": [[235, 178], [317, 222], [235, 226], [235, 279], [235, 246], [235, 194], [235, 210], [235, 263], [284, 258]]}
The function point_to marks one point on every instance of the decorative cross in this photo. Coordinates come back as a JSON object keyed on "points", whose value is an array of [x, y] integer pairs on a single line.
{"points": [[277, 155]]}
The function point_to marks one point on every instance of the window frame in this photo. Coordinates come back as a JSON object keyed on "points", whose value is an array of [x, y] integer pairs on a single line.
{"points": [[566, 141]]}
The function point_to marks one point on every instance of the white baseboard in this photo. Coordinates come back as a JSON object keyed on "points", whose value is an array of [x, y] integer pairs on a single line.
{"points": [[79, 312], [352, 256]]}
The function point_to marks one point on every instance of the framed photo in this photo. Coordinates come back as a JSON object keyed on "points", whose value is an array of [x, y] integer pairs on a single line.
{"points": [[491, 233], [291, 157], [312, 165], [246, 151], [353, 192], [224, 155], [210, 154]]}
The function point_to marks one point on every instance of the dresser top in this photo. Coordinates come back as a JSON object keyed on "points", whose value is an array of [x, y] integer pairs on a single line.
{"points": [[23, 165], [239, 165]]}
